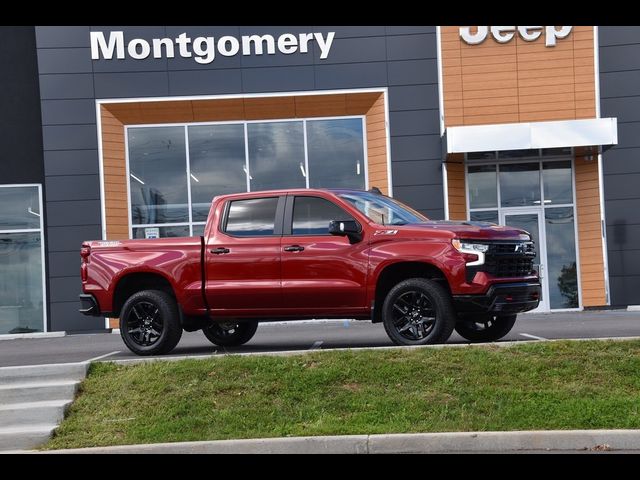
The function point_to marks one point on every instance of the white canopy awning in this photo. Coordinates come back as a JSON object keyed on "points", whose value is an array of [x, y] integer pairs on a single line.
{"points": [[524, 136]]}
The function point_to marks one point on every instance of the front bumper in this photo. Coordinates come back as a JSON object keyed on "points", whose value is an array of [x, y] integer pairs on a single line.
{"points": [[501, 298], [89, 305]]}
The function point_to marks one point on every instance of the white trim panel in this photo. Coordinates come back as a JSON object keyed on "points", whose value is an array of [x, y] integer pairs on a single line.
{"points": [[522, 136]]}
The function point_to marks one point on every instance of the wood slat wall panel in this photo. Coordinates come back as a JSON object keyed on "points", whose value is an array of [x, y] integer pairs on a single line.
{"points": [[456, 194], [115, 116], [589, 232], [539, 83]]}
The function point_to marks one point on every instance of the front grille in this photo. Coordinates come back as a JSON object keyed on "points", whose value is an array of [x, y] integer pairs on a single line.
{"points": [[509, 267], [509, 248], [506, 259]]}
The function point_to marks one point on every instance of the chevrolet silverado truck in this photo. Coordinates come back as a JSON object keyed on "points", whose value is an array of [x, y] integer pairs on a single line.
{"points": [[307, 253]]}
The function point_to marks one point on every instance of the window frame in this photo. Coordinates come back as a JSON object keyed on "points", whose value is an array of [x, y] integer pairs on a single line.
{"points": [[278, 216], [543, 157], [45, 319], [190, 223], [288, 216]]}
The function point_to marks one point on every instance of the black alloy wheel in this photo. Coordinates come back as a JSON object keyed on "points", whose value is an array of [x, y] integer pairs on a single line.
{"points": [[413, 315], [144, 325], [230, 334], [485, 327], [418, 311], [150, 323]]}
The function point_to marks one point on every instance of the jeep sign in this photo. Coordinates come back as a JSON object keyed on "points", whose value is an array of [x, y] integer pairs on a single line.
{"points": [[506, 34]]}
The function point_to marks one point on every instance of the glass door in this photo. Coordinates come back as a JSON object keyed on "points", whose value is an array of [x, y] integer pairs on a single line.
{"points": [[530, 219]]}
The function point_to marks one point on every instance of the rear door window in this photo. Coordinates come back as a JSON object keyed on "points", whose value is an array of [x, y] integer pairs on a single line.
{"points": [[255, 217]]}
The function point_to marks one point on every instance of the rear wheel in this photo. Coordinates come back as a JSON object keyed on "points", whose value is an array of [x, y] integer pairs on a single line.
{"points": [[150, 323], [485, 328], [229, 334], [418, 311]]}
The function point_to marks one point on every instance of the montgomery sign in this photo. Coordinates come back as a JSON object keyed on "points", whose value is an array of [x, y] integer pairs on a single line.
{"points": [[204, 49]]}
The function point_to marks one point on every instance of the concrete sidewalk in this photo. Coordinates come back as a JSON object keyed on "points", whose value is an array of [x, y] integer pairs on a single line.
{"points": [[450, 442]]}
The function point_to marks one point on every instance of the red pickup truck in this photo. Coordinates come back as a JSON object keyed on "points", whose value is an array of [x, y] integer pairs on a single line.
{"points": [[300, 254]]}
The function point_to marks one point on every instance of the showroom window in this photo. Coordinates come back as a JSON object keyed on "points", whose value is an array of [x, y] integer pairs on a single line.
{"points": [[21, 260], [514, 184], [175, 171]]}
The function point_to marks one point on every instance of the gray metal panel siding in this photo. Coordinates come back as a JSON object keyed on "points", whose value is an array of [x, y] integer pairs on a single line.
{"points": [[71, 320], [414, 97], [65, 289], [77, 187], [60, 86], [413, 72], [64, 264], [62, 37], [620, 97], [131, 84], [278, 79], [70, 162], [63, 112], [73, 213], [416, 147], [64, 60], [401, 58], [627, 108], [350, 75], [411, 47], [69, 137], [205, 82], [69, 238], [407, 30]]}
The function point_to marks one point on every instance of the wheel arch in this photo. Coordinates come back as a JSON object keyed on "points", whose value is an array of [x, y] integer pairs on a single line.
{"points": [[132, 283], [394, 273]]}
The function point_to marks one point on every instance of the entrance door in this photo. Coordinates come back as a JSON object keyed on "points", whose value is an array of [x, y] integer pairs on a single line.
{"points": [[530, 219]]}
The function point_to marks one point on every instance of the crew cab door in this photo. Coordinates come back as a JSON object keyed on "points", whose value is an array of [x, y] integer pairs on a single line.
{"points": [[243, 257], [321, 273]]}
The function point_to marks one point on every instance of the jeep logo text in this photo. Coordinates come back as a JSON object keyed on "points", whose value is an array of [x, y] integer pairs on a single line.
{"points": [[506, 34]]}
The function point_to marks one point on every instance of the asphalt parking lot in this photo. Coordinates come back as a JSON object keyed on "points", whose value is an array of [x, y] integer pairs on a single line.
{"points": [[308, 335]]}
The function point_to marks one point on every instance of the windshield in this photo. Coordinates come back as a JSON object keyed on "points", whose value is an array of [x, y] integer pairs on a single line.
{"points": [[383, 210]]}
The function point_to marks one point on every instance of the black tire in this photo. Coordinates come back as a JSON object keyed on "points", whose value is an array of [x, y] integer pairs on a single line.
{"points": [[485, 328], [229, 334], [150, 323], [418, 311]]}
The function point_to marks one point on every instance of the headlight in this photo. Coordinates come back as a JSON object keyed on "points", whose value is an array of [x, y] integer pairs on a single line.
{"points": [[473, 253], [461, 245]]}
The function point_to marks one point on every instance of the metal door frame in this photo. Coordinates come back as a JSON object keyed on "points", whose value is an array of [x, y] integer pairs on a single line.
{"points": [[541, 247]]}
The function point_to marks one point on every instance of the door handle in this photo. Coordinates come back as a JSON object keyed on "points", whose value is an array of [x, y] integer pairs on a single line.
{"points": [[219, 251], [293, 248]]}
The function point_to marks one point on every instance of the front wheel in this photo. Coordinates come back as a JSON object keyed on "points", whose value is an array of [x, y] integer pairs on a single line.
{"points": [[230, 334], [150, 323], [418, 311], [485, 328]]}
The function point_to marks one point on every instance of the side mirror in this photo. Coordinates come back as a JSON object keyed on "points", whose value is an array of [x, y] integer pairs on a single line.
{"points": [[346, 228]]}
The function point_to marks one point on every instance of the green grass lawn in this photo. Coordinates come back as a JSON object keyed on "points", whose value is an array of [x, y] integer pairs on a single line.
{"points": [[559, 385]]}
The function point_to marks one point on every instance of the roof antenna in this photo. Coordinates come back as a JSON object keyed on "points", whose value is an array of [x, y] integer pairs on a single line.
{"points": [[375, 190]]}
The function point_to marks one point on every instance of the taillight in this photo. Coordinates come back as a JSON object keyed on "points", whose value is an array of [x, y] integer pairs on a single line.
{"points": [[85, 251]]}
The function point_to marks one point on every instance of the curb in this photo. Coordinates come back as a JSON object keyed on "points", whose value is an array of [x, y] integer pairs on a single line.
{"points": [[569, 440], [16, 336], [287, 353]]}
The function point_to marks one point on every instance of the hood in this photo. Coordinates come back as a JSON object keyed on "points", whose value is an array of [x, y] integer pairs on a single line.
{"points": [[472, 230]]}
